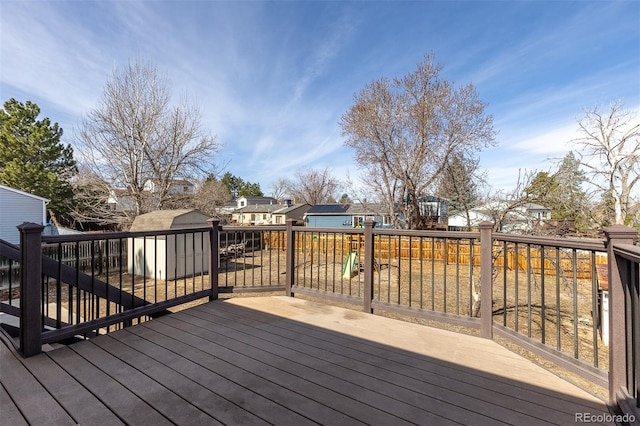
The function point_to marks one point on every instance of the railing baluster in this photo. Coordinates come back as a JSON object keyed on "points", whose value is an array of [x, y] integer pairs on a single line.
{"points": [[486, 281], [543, 311]]}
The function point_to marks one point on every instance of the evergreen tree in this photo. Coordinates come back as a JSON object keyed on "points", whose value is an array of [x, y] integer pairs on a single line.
{"points": [[562, 192], [32, 158], [238, 187]]}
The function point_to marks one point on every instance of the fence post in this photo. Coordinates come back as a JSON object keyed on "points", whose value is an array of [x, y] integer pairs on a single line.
{"points": [[30, 288], [214, 258], [618, 295], [290, 258], [368, 264], [486, 280]]}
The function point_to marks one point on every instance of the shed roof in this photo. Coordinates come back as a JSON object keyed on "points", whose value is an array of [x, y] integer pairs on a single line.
{"points": [[328, 209], [169, 219]]}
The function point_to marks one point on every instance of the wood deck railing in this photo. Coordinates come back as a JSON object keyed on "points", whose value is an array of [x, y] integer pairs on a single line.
{"points": [[540, 293]]}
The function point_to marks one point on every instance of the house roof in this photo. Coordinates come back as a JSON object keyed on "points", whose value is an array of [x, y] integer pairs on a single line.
{"points": [[258, 200], [168, 219], [292, 207], [533, 206], [258, 208], [368, 209], [173, 181], [337, 209]]}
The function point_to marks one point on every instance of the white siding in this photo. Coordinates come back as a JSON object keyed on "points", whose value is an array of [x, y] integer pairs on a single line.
{"points": [[156, 257], [17, 207]]}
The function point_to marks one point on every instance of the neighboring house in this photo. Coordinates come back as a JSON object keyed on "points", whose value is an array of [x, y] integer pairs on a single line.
{"points": [[17, 207], [522, 219], [120, 201], [227, 209], [268, 214], [346, 215], [176, 187], [169, 257], [458, 221], [434, 211], [289, 211], [537, 211], [245, 201], [254, 214]]}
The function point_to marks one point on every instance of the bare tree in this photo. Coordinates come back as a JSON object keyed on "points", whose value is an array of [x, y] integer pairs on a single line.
{"points": [[212, 195], [312, 186], [459, 185], [506, 207], [610, 150], [404, 132], [279, 189], [136, 134], [94, 202]]}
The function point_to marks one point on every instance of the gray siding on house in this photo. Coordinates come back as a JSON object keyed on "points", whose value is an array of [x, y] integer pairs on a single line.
{"points": [[328, 221], [17, 207]]}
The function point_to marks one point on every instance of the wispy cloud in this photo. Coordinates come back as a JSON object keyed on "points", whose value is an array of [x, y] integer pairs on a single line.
{"points": [[273, 78]]}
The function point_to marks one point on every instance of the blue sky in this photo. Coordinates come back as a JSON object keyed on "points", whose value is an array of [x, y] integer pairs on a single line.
{"points": [[273, 78]]}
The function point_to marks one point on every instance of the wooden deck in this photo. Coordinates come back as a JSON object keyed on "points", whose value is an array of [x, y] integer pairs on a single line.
{"points": [[283, 361]]}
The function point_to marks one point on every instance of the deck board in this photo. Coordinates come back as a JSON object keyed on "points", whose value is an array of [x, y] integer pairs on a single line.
{"points": [[215, 374], [70, 394], [172, 406], [404, 380], [278, 360], [125, 404], [413, 372], [368, 389], [33, 401], [183, 380], [10, 412]]}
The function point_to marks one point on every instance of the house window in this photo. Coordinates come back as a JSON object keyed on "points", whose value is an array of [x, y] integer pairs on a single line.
{"points": [[264, 216], [242, 203], [278, 220], [358, 221], [253, 216], [386, 220]]}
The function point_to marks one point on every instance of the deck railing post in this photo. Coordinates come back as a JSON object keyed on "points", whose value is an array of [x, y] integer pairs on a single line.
{"points": [[368, 264], [618, 295], [214, 257], [30, 288], [290, 258], [486, 280]]}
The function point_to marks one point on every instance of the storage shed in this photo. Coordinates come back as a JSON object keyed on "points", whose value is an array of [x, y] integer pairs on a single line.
{"points": [[169, 257]]}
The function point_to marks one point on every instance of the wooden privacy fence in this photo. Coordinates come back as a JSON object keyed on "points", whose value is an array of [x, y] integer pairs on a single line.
{"points": [[515, 257]]}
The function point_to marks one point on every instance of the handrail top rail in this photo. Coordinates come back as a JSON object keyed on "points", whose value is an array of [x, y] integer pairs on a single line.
{"points": [[591, 244], [628, 251], [70, 238], [252, 228]]}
